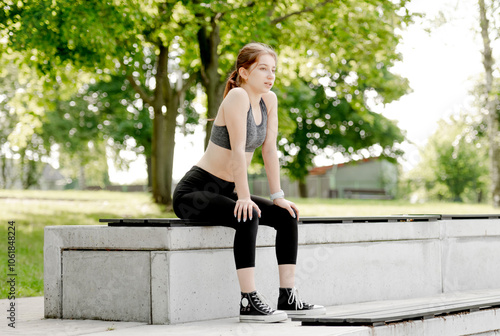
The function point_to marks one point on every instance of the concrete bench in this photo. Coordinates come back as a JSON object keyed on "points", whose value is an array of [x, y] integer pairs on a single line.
{"points": [[163, 271]]}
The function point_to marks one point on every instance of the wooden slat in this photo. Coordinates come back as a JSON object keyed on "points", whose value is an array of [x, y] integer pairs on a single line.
{"points": [[169, 222], [403, 313], [155, 222]]}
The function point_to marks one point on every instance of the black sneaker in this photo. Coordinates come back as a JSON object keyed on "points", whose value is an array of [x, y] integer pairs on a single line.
{"points": [[254, 309], [290, 302]]}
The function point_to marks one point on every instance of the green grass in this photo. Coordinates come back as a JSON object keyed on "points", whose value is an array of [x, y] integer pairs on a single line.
{"points": [[356, 207], [33, 210]]}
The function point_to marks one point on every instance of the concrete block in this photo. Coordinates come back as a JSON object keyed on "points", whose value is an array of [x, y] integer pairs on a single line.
{"points": [[160, 270], [471, 263], [367, 232], [52, 274], [337, 274], [208, 288], [470, 228], [106, 285], [205, 289]]}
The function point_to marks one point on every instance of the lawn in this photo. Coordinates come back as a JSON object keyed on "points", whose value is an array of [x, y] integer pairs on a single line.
{"points": [[33, 210]]}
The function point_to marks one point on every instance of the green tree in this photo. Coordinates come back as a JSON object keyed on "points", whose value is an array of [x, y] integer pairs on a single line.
{"points": [[24, 99], [101, 36], [489, 23], [72, 126], [8, 119], [111, 114], [454, 161]]}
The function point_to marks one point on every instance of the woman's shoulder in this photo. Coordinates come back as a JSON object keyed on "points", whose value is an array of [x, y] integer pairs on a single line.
{"points": [[236, 103], [271, 96], [237, 94], [270, 99]]}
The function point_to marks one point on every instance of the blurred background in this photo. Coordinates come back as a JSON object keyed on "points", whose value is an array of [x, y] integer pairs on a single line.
{"points": [[377, 99]]}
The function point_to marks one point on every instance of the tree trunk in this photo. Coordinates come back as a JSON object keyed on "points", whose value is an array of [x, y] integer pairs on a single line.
{"points": [[168, 96], [303, 189], [166, 105], [211, 79], [149, 169], [490, 104], [160, 194], [82, 184], [170, 125], [3, 172]]}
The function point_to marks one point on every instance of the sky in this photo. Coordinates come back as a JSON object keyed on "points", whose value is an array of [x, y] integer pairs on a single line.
{"points": [[441, 66]]}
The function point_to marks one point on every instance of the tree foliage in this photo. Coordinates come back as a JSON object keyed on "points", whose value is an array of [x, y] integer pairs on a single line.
{"points": [[323, 122], [454, 163], [334, 58], [489, 23], [114, 37]]}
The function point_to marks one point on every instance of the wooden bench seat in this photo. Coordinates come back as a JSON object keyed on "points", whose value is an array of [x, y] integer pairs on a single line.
{"points": [[406, 310], [177, 222]]}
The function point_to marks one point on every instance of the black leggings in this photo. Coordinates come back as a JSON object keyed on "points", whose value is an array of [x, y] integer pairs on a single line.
{"points": [[200, 195]]}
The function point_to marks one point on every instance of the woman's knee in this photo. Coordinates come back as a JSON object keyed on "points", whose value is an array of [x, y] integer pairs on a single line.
{"points": [[249, 224], [287, 222]]}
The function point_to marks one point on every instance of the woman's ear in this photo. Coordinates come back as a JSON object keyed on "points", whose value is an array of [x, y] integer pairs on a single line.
{"points": [[243, 73]]}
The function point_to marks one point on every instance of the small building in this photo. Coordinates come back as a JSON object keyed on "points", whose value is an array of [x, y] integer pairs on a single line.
{"points": [[49, 178], [368, 178]]}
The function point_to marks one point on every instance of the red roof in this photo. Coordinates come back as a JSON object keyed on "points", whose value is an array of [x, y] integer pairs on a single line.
{"points": [[322, 170]]}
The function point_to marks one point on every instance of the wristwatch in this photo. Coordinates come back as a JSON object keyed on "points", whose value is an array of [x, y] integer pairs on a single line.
{"points": [[279, 194]]}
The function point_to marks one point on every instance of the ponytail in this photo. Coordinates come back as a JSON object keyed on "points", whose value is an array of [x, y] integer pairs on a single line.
{"points": [[232, 82]]}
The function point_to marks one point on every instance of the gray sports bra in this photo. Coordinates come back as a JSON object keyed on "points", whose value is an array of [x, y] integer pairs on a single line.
{"points": [[256, 134]]}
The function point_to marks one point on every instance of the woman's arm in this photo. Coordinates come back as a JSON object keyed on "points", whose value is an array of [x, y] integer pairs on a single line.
{"points": [[270, 155], [236, 105], [269, 149]]}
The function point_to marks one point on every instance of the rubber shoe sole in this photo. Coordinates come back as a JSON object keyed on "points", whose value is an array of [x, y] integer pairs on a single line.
{"points": [[308, 312], [277, 316]]}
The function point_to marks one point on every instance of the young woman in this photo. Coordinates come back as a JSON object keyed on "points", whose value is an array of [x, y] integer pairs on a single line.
{"points": [[216, 188]]}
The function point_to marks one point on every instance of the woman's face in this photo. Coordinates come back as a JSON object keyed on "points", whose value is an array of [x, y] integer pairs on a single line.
{"points": [[261, 74]]}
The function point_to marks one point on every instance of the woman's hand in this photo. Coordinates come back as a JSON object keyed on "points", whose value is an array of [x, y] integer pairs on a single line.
{"points": [[244, 208], [290, 206]]}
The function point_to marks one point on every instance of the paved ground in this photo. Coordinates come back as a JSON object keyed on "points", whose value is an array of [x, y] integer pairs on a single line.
{"points": [[30, 321]]}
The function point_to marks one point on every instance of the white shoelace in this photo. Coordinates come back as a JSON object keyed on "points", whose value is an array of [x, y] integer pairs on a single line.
{"points": [[294, 296], [263, 303]]}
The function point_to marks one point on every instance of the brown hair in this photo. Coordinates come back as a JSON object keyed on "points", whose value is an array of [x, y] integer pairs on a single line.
{"points": [[247, 56]]}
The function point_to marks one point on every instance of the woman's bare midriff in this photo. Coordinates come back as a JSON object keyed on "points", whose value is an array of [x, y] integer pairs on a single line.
{"points": [[217, 161]]}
